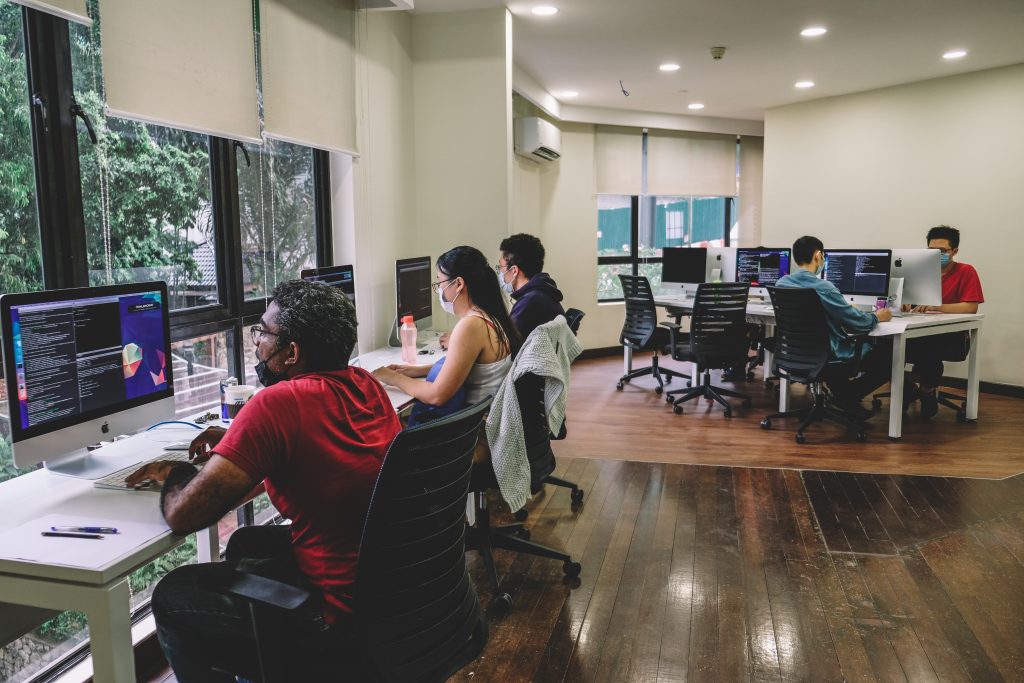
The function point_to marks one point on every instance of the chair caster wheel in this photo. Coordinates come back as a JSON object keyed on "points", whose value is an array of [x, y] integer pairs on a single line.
{"points": [[521, 515], [659, 389], [618, 387], [678, 410], [876, 403], [501, 604], [961, 416], [747, 403], [862, 437], [524, 534], [800, 438], [728, 413], [577, 495], [572, 569], [766, 423]]}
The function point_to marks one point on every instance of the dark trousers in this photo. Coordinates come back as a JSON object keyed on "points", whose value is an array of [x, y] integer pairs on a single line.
{"points": [[927, 354], [204, 632], [876, 370]]}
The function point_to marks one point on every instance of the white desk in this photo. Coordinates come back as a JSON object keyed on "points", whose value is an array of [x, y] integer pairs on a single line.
{"points": [[389, 355], [103, 593], [900, 329]]}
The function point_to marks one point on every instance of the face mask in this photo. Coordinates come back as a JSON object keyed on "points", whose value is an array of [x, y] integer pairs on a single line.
{"points": [[448, 306], [943, 260], [266, 376], [821, 267], [507, 287]]}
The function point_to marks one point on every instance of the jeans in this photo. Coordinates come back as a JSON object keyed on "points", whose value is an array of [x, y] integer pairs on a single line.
{"points": [[205, 633]]}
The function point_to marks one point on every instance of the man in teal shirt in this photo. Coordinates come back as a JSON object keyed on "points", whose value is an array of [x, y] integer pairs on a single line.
{"points": [[809, 255]]}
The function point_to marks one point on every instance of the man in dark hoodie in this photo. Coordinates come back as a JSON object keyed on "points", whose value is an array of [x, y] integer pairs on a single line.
{"points": [[536, 299]]}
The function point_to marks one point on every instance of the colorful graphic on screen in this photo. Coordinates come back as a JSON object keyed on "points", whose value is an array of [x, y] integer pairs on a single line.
{"points": [[142, 341]]}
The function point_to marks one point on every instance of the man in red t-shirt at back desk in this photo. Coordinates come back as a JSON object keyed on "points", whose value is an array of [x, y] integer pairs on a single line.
{"points": [[316, 437], [961, 293]]}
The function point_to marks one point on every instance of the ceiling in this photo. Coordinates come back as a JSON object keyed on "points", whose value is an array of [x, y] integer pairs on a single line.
{"points": [[591, 44]]}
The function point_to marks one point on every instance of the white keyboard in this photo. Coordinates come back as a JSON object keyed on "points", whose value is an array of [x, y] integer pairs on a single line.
{"points": [[115, 480]]}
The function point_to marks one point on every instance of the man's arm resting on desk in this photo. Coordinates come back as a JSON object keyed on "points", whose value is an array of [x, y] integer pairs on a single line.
{"points": [[191, 501], [962, 307]]}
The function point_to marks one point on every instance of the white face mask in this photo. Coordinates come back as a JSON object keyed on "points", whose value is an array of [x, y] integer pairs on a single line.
{"points": [[448, 306], [507, 287]]}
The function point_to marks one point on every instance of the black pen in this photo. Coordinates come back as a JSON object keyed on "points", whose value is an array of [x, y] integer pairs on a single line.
{"points": [[68, 534]]}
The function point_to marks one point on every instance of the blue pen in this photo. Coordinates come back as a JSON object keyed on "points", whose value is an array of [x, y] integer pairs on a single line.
{"points": [[86, 529]]}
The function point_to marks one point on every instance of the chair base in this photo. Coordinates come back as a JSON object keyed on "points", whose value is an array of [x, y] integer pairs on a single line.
{"points": [[820, 410], [654, 369], [955, 402], [708, 391]]}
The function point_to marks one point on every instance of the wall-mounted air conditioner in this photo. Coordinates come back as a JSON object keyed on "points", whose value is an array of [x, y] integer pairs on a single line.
{"points": [[537, 139], [386, 4]]}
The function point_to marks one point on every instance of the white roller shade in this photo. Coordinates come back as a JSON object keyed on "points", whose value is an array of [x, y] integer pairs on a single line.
{"points": [[72, 10], [188, 64], [307, 53], [700, 164], [618, 160], [751, 189]]}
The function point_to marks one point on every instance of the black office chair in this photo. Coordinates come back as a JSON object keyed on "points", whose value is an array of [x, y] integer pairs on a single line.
{"points": [[718, 339], [955, 402], [483, 537], [802, 350], [417, 615], [640, 331], [574, 316]]}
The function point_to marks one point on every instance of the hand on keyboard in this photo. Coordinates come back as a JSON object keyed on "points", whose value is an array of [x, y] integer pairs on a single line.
{"points": [[151, 473]]}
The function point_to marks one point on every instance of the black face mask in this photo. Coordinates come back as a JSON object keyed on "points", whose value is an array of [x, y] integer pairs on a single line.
{"points": [[266, 376]]}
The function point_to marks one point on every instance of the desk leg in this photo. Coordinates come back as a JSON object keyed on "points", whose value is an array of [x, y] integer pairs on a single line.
{"points": [[899, 357], [110, 633], [208, 544], [972, 375]]}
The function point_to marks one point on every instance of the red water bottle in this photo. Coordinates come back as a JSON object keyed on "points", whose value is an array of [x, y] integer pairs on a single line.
{"points": [[407, 333]]}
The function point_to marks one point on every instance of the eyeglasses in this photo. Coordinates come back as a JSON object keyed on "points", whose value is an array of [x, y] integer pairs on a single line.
{"points": [[256, 331], [437, 286], [943, 251]]}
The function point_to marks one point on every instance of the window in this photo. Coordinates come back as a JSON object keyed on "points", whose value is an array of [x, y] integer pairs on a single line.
{"points": [[634, 247], [199, 365]]}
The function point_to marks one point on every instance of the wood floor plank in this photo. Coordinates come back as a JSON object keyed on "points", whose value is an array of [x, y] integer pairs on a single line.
{"points": [[734, 662], [874, 629], [703, 649]]}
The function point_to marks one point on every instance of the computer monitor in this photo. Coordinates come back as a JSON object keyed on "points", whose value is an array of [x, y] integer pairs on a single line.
{"points": [[762, 267], [921, 273], [861, 275], [720, 264], [84, 365], [412, 287], [684, 266], [340, 277]]}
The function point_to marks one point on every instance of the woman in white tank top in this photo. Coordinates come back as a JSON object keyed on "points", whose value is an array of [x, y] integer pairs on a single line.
{"points": [[481, 345]]}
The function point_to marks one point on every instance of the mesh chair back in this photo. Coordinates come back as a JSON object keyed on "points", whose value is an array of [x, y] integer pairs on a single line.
{"points": [[718, 329], [641, 315], [574, 317], [530, 392], [801, 333], [417, 608]]}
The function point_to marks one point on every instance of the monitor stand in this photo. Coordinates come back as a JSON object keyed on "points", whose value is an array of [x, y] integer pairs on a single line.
{"points": [[896, 296], [862, 302], [94, 464]]}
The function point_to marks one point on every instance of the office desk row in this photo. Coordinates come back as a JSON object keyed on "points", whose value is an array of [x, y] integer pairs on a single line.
{"points": [[899, 328]]}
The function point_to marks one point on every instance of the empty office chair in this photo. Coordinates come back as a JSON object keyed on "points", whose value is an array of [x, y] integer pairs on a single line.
{"points": [[718, 339], [482, 536], [640, 331], [802, 351], [417, 616]]}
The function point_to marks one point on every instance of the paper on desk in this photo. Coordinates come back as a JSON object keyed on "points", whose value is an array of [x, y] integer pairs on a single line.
{"points": [[26, 542]]}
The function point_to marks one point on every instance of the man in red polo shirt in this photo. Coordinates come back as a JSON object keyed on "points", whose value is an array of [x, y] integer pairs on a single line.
{"points": [[961, 293], [316, 437]]}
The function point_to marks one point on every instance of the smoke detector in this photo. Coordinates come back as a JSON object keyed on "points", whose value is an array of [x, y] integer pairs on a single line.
{"points": [[717, 53]]}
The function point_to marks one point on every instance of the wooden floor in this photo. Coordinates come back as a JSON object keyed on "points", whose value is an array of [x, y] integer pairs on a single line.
{"points": [[821, 562]]}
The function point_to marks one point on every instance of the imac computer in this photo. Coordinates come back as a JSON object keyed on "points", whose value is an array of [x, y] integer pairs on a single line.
{"points": [[860, 275], [684, 266], [84, 365], [762, 267], [413, 278], [340, 277], [721, 264], [922, 276]]}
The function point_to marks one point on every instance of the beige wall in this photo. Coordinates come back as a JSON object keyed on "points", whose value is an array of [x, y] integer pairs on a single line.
{"points": [[877, 169]]}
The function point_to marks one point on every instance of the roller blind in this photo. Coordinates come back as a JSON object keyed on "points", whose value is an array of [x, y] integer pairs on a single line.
{"points": [[618, 160], [700, 164], [72, 10], [751, 189], [188, 64], [307, 54]]}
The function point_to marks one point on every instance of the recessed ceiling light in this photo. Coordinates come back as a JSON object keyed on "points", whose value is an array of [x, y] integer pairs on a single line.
{"points": [[669, 67], [695, 105], [545, 10], [570, 93], [955, 54], [804, 84], [812, 31]]}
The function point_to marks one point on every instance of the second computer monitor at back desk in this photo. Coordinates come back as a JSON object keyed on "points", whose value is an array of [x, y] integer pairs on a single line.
{"points": [[339, 277], [761, 267], [861, 275], [685, 266]]}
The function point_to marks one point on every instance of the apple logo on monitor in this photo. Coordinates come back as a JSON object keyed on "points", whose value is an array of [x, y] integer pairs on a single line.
{"points": [[898, 263]]}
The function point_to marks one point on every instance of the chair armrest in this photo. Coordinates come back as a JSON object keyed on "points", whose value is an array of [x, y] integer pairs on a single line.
{"points": [[858, 340], [671, 326], [260, 589], [673, 330]]}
